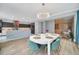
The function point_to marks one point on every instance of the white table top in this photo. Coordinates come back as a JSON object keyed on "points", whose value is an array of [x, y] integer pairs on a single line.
{"points": [[43, 39]]}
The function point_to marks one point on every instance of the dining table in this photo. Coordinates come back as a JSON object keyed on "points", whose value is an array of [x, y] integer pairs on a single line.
{"points": [[44, 39]]}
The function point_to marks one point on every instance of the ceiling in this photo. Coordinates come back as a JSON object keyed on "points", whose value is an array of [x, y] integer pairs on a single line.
{"points": [[27, 12]]}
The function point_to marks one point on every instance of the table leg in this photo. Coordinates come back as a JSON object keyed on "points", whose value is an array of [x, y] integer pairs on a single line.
{"points": [[48, 48]]}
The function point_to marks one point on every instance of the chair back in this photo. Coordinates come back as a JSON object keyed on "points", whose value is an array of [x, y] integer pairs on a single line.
{"points": [[55, 44], [33, 46]]}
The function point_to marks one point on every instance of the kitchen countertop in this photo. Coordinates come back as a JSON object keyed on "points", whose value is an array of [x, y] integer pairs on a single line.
{"points": [[14, 36], [4, 39]]}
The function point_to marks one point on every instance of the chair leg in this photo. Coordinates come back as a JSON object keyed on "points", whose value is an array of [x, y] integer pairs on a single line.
{"points": [[45, 49], [59, 49]]}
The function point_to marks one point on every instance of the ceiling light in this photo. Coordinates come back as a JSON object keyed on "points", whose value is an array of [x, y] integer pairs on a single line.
{"points": [[43, 12]]}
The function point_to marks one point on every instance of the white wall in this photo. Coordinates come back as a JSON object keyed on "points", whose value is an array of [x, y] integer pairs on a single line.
{"points": [[75, 19], [37, 27], [51, 26], [43, 26]]}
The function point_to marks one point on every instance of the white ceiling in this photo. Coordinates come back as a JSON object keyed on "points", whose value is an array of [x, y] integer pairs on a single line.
{"points": [[27, 12]]}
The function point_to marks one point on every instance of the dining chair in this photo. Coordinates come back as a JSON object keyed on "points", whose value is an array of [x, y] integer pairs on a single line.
{"points": [[34, 47], [55, 45]]}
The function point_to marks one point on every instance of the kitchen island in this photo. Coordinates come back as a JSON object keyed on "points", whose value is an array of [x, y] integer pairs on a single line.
{"points": [[14, 35]]}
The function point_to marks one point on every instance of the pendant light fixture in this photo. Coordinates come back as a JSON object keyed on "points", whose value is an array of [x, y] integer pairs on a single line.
{"points": [[43, 12]]}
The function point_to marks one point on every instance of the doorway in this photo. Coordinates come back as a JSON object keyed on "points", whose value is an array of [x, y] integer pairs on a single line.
{"points": [[0, 26], [32, 26], [62, 26]]}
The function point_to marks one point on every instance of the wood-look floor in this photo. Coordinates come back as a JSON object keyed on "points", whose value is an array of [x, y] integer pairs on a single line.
{"points": [[20, 47]]}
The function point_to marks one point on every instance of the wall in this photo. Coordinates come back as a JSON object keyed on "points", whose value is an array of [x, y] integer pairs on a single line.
{"points": [[51, 26], [77, 29], [37, 27], [75, 21], [41, 27]]}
